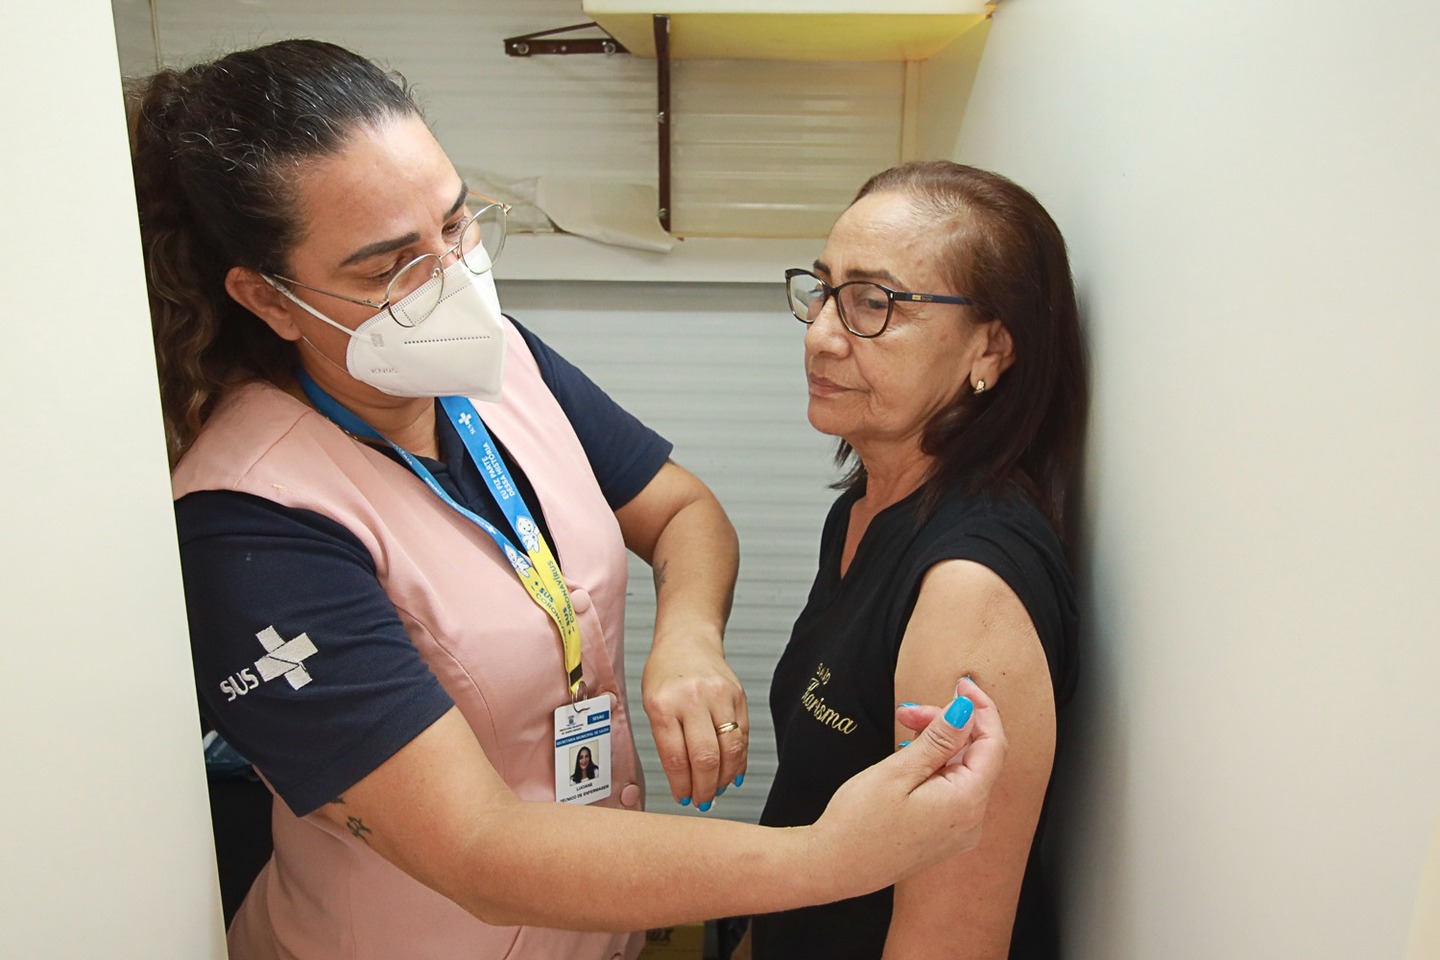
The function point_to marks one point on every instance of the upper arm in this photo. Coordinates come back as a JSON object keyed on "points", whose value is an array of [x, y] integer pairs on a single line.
{"points": [[366, 740], [671, 490], [301, 661], [967, 620]]}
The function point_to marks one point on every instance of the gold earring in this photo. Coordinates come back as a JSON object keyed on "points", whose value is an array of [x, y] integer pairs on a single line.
{"points": [[979, 387]]}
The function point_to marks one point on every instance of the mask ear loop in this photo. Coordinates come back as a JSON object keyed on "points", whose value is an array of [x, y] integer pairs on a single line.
{"points": [[321, 353], [317, 315], [367, 441], [311, 310]]}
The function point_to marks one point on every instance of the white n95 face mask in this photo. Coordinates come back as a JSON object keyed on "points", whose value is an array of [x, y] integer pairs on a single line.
{"points": [[458, 350]]}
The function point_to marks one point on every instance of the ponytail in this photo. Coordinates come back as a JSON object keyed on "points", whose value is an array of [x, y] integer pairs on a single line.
{"points": [[215, 148]]}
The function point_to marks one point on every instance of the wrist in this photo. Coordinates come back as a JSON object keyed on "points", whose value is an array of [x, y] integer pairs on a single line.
{"points": [[696, 632], [819, 875]]}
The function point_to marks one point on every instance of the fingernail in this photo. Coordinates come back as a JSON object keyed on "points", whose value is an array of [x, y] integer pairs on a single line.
{"points": [[959, 711], [740, 780], [705, 807], [904, 743], [907, 703], [684, 801], [720, 791]]}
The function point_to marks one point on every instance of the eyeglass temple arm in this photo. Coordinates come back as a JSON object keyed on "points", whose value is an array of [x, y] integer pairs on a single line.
{"points": [[931, 298], [490, 200]]}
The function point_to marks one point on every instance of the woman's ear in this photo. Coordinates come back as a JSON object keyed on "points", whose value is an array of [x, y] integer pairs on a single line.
{"points": [[997, 354], [256, 294]]}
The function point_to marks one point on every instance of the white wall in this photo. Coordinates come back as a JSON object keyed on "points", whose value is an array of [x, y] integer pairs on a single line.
{"points": [[105, 848], [1251, 195]]}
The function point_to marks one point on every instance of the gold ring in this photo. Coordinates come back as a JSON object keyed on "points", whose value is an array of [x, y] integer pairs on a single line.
{"points": [[727, 727]]}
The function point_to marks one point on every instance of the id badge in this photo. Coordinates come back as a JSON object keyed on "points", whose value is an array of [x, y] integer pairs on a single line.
{"points": [[582, 751]]}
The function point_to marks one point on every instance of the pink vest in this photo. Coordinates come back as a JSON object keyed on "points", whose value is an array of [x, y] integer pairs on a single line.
{"points": [[325, 894]]}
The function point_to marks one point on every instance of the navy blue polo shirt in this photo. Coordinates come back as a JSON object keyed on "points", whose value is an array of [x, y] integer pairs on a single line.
{"points": [[251, 566]]}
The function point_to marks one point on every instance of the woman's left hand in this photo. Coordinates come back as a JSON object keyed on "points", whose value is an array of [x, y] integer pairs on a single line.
{"points": [[698, 715], [694, 700]]}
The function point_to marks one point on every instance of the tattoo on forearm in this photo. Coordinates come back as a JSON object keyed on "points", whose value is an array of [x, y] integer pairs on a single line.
{"points": [[659, 574], [358, 829], [355, 825]]}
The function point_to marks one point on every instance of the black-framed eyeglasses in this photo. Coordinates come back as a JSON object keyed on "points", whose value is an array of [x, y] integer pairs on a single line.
{"points": [[864, 307], [407, 297]]}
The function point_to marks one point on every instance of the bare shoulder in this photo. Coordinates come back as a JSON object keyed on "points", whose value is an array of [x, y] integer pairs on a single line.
{"points": [[972, 605], [967, 621]]}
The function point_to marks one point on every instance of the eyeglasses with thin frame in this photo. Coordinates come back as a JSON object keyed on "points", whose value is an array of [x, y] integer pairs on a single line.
{"points": [[407, 297], [864, 307]]}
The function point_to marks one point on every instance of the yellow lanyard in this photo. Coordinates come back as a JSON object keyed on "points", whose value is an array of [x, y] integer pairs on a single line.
{"points": [[537, 568]]}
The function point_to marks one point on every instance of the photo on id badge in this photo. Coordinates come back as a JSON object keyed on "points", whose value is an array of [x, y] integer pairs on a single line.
{"points": [[582, 751]]}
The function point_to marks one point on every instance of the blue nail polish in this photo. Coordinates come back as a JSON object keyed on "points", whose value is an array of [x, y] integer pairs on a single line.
{"points": [[705, 807], [904, 743], [720, 791], [684, 801], [959, 711], [907, 703], [740, 780]]}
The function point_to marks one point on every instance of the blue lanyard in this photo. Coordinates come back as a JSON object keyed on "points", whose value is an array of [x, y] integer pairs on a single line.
{"points": [[536, 565]]}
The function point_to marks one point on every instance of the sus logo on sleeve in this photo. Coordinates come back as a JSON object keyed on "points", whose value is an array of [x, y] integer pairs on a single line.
{"points": [[283, 658]]}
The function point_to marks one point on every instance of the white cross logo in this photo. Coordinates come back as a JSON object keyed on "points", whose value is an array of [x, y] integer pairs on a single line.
{"points": [[465, 419], [284, 657]]}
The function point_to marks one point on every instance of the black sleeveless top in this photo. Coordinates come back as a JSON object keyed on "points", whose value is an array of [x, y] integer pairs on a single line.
{"points": [[832, 697]]}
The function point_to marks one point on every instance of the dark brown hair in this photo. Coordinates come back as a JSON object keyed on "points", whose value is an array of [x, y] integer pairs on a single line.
{"points": [[215, 149], [997, 245]]}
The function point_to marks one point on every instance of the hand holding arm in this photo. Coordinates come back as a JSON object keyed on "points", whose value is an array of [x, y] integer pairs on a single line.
{"points": [[938, 788]]}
